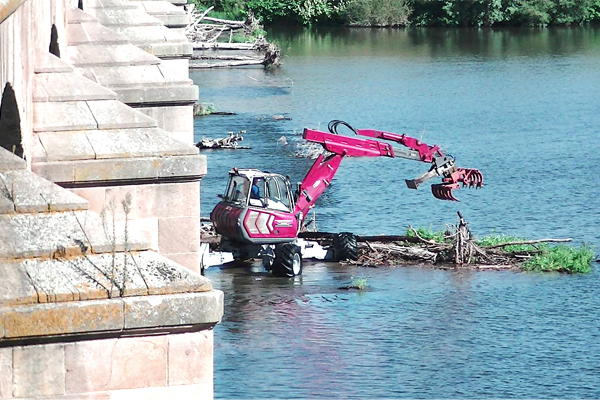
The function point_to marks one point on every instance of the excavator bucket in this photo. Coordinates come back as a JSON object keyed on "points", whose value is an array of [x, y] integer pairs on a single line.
{"points": [[469, 177]]}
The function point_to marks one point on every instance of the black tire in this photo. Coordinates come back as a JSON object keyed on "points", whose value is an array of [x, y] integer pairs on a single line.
{"points": [[345, 246], [288, 260]]}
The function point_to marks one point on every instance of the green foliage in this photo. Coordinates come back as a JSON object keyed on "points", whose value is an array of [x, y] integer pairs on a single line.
{"points": [[376, 13], [562, 258], [504, 12], [496, 239], [427, 233], [359, 283], [226, 9]]}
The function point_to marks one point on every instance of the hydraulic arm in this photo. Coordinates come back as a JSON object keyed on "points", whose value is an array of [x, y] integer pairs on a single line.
{"points": [[321, 173]]}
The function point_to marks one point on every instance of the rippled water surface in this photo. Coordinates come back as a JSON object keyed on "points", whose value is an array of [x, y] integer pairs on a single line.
{"points": [[522, 106]]}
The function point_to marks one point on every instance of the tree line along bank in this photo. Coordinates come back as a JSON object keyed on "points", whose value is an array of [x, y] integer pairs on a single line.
{"points": [[398, 13]]}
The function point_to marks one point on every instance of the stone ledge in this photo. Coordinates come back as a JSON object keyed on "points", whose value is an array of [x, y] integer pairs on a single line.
{"points": [[60, 235], [111, 55], [59, 87], [46, 62], [112, 315], [140, 170], [83, 115], [10, 162], [29, 193], [95, 277]]}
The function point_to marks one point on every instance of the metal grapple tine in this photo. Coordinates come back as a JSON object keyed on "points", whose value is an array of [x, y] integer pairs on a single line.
{"points": [[444, 191]]}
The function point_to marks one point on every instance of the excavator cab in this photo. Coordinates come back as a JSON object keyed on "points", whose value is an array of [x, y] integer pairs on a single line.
{"points": [[254, 188]]}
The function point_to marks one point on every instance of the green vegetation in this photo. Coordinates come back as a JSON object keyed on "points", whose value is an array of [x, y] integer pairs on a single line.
{"points": [[546, 258], [562, 258], [359, 283], [356, 284], [496, 239], [474, 13], [201, 109], [428, 234]]}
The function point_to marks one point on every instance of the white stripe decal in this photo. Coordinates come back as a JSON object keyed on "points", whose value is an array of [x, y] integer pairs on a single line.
{"points": [[270, 223], [252, 222], [261, 223]]}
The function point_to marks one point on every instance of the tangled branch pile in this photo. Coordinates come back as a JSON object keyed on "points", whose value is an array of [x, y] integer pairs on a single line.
{"points": [[458, 247], [221, 34]]}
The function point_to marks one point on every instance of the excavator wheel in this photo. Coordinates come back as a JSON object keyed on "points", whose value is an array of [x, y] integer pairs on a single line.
{"points": [[288, 260], [345, 246]]}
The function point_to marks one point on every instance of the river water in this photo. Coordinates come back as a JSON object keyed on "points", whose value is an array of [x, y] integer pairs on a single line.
{"points": [[522, 106]]}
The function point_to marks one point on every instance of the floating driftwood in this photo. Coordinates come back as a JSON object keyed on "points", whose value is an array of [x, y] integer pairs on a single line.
{"points": [[229, 142], [212, 39]]}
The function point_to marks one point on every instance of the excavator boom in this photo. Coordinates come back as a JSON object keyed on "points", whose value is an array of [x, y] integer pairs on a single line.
{"points": [[320, 175]]}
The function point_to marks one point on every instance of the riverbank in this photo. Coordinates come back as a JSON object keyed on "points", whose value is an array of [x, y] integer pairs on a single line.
{"points": [[394, 13]]}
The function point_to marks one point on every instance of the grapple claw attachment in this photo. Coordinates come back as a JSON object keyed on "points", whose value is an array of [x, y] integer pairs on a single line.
{"points": [[443, 191], [469, 177]]}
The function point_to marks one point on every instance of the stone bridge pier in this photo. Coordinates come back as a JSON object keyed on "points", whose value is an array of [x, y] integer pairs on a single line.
{"points": [[100, 291]]}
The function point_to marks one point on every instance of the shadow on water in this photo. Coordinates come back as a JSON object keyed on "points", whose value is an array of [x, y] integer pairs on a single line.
{"points": [[521, 105]]}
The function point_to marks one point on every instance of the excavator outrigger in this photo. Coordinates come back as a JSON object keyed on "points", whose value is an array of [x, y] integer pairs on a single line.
{"points": [[260, 216]]}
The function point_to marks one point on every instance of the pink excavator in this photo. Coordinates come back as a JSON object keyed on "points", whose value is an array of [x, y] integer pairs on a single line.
{"points": [[260, 216]]}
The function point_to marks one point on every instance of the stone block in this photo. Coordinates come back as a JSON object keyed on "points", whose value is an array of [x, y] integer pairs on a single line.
{"points": [[189, 260], [179, 235], [38, 152], [15, 286], [191, 358], [6, 372], [46, 62], [179, 93], [63, 318], [39, 370], [49, 282], [163, 276], [32, 193], [168, 200], [76, 34], [55, 171], [194, 165], [8, 161], [116, 169], [93, 55], [39, 92], [6, 205], [72, 87], [180, 66], [137, 142], [199, 391], [117, 196], [112, 114], [148, 229], [66, 146], [128, 76], [96, 33], [125, 17], [171, 50], [41, 235], [151, 35], [113, 364], [76, 16], [62, 116], [174, 309], [94, 195], [174, 119], [101, 240]]}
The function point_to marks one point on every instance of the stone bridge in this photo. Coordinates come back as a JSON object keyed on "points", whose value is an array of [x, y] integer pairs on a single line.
{"points": [[100, 291]]}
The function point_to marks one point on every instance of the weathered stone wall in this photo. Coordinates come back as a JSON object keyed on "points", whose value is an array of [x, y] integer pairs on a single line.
{"points": [[84, 316], [177, 366], [19, 40]]}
